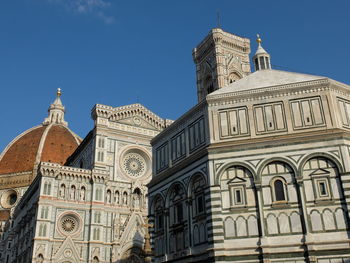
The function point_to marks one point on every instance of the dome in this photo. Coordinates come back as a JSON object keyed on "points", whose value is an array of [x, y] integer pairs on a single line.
{"points": [[51, 141]]}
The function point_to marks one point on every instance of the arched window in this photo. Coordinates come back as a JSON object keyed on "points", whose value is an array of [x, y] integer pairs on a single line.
{"points": [[279, 190], [96, 235], [177, 198], [97, 218], [280, 176], [42, 230], [197, 193], [44, 212], [159, 214], [95, 260], [177, 214], [47, 188], [98, 194]]}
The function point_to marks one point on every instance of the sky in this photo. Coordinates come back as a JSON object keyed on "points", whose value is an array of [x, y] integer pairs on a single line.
{"points": [[117, 52]]}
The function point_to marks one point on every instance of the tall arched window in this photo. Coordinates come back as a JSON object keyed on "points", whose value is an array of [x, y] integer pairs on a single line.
{"points": [[47, 188], [279, 190], [159, 214], [281, 178], [98, 194], [197, 192], [97, 218], [96, 234], [177, 214]]}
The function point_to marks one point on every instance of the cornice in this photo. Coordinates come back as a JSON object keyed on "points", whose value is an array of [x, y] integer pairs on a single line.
{"points": [[56, 170], [273, 141], [117, 113], [269, 92]]}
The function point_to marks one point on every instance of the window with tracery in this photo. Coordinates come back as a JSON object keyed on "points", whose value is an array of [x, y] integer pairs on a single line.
{"points": [[47, 188]]}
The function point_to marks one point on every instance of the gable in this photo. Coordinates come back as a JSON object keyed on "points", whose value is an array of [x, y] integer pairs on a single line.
{"points": [[137, 115], [67, 251]]}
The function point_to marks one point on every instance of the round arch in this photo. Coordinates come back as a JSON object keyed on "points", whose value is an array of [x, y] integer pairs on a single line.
{"points": [[170, 189], [192, 178], [276, 159], [223, 168], [155, 199], [321, 154]]}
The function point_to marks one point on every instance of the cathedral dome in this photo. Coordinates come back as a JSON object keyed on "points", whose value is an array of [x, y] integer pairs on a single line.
{"points": [[45, 143], [51, 141]]}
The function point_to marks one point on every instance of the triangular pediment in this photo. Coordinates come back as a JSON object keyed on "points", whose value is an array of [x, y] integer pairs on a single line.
{"points": [[236, 180], [139, 116], [67, 252], [319, 171], [138, 121]]}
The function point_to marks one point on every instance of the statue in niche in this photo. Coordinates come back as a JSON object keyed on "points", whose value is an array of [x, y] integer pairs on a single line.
{"points": [[72, 193], [125, 198], [62, 191], [116, 197], [136, 201], [82, 194], [136, 198]]}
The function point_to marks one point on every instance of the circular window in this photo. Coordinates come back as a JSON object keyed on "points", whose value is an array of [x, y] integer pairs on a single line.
{"points": [[9, 199], [69, 224], [134, 164]]}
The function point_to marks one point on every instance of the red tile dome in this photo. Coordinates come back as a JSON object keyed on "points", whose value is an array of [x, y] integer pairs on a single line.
{"points": [[51, 141]]}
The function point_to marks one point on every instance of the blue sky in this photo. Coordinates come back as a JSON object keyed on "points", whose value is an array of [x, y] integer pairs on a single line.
{"points": [[117, 52]]}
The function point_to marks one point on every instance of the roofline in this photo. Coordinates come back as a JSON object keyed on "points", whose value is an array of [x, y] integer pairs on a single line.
{"points": [[18, 137]]}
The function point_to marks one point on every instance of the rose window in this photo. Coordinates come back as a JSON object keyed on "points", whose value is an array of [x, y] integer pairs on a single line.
{"points": [[134, 164], [69, 224]]}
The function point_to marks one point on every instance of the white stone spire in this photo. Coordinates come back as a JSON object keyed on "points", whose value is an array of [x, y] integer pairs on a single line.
{"points": [[56, 111], [261, 58]]}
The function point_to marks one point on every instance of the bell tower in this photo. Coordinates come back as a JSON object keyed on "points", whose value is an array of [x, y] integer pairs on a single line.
{"points": [[221, 58]]}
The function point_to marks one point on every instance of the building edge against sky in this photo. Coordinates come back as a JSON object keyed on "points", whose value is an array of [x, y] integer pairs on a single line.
{"points": [[257, 171], [91, 207]]}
